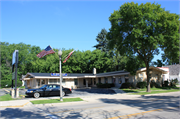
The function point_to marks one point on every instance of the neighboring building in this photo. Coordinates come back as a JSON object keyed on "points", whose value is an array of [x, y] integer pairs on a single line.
{"points": [[76, 80], [174, 71], [159, 75]]}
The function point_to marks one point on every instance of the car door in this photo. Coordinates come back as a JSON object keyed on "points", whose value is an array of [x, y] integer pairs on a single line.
{"points": [[48, 91], [55, 90]]}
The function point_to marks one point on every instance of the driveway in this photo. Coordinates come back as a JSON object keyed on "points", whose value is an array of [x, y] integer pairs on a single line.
{"points": [[75, 92]]}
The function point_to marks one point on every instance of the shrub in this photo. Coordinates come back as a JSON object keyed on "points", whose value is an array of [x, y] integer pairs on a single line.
{"points": [[106, 85], [141, 84], [154, 84], [126, 85], [8, 83], [173, 82], [112, 84], [165, 84]]}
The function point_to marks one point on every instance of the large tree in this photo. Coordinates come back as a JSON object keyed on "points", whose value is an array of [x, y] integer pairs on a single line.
{"points": [[142, 29]]}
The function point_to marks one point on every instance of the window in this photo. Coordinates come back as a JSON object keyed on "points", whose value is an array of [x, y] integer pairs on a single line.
{"points": [[141, 74], [38, 82], [75, 82], [99, 80], [49, 87], [42, 81], [126, 78], [52, 81], [120, 81], [63, 81], [94, 81], [105, 80], [84, 81]]}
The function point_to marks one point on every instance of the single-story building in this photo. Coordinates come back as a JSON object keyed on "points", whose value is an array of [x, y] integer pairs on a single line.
{"points": [[76, 80], [174, 71], [80, 80], [157, 74]]}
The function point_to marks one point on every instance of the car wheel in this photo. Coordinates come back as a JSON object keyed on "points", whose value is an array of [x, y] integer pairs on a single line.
{"points": [[36, 95], [63, 93]]}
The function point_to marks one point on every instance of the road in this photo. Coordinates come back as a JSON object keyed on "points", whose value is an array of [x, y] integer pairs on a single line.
{"points": [[104, 107]]}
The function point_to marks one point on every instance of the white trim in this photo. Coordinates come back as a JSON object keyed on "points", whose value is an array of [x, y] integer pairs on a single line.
{"points": [[27, 78]]}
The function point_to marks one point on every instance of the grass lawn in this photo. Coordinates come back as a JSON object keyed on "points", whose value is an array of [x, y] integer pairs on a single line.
{"points": [[153, 90], [8, 97], [56, 100]]}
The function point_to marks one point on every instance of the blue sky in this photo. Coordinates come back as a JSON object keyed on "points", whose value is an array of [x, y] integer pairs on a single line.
{"points": [[61, 24]]}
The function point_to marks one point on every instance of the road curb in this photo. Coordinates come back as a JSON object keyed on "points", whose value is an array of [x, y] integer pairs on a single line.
{"points": [[15, 105]]}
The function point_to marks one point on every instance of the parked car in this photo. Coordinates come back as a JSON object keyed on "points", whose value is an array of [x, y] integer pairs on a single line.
{"points": [[48, 90]]}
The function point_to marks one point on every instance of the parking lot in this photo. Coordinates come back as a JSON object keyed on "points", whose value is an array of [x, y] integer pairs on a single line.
{"points": [[75, 92]]}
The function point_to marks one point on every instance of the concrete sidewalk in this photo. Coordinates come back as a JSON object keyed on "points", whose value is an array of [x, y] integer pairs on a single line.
{"points": [[23, 103]]}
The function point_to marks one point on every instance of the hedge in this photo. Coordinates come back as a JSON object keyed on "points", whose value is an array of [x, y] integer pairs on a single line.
{"points": [[106, 85], [141, 84]]}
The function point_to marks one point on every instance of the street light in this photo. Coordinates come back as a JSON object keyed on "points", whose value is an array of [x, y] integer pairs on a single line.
{"points": [[60, 54]]}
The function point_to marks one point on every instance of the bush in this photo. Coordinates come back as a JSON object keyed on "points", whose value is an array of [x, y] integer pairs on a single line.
{"points": [[141, 84], [8, 83], [154, 84], [173, 82], [106, 85], [165, 84], [127, 85]]}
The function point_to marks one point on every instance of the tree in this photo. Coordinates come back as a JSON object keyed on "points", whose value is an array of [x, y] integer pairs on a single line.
{"points": [[102, 41], [158, 63], [142, 29]]}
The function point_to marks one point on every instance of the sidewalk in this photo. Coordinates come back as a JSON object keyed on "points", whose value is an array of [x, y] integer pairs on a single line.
{"points": [[22, 103]]}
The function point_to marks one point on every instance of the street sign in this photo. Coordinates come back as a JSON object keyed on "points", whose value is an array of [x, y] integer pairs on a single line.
{"points": [[14, 57], [57, 74], [13, 75]]}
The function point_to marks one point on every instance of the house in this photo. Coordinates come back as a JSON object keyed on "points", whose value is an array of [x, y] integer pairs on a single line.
{"points": [[76, 80], [157, 74], [174, 71]]}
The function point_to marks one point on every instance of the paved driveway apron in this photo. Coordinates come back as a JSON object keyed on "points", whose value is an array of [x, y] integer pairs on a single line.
{"points": [[90, 92]]}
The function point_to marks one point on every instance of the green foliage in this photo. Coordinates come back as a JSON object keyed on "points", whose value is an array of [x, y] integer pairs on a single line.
{"points": [[79, 62], [154, 84], [102, 41], [141, 84], [143, 29], [126, 85], [166, 84], [173, 82], [106, 85]]}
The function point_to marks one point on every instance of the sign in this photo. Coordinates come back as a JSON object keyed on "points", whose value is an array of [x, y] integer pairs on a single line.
{"points": [[13, 75], [57, 74], [14, 60]]}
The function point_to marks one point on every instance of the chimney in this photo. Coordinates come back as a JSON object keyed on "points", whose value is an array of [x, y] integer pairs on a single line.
{"points": [[94, 70]]}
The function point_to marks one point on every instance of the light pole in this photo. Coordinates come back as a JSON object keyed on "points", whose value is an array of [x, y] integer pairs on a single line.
{"points": [[60, 54]]}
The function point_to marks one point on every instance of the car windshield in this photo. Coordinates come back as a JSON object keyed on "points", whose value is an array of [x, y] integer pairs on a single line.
{"points": [[43, 86]]}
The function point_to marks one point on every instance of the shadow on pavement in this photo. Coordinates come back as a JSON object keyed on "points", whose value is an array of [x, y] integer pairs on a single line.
{"points": [[146, 102], [96, 91]]}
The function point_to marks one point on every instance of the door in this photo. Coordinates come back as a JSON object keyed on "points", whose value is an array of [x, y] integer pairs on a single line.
{"points": [[48, 91]]}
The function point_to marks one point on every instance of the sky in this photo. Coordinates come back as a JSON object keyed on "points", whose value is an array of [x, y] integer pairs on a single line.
{"points": [[70, 24]]}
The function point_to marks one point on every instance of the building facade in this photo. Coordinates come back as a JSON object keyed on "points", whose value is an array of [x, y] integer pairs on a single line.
{"points": [[76, 80]]}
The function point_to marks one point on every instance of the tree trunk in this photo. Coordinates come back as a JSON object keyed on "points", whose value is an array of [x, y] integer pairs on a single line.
{"points": [[148, 80]]}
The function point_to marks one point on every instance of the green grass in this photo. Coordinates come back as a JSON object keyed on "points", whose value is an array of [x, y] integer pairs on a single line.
{"points": [[153, 90], [56, 100], [8, 97], [22, 87]]}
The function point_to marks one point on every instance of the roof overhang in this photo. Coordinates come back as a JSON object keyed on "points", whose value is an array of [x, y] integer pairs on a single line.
{"points": [[154, 68]]}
